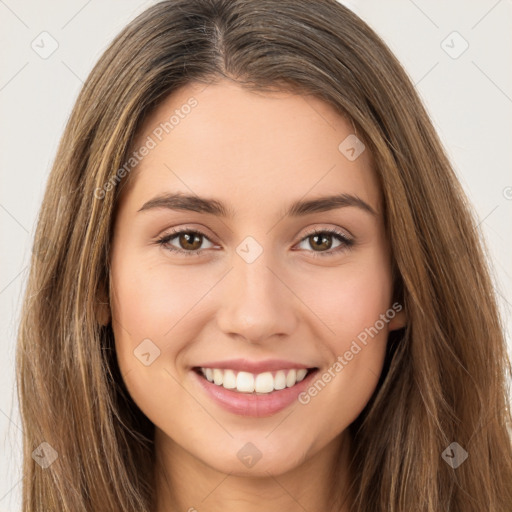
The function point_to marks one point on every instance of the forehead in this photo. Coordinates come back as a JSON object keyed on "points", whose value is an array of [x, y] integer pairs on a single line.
{"points": [[222, 140]]}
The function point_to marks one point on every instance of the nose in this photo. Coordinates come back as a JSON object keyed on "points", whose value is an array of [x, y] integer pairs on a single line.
{"points": [[256, 302]]}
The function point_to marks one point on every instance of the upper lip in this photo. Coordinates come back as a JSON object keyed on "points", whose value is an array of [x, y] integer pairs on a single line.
{"points": [[244, 365]]}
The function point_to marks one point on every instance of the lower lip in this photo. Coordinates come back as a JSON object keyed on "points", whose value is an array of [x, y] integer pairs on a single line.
{"points": [[249, 404]]}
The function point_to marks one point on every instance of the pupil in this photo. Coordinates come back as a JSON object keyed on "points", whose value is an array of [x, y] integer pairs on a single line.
{"points": [[188, 237], [323, 238]]}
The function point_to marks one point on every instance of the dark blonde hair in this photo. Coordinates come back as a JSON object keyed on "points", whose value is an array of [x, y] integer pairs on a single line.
{"points": [[444, 378]]}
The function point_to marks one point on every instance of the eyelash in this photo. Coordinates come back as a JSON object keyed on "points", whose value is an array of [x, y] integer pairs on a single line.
{"points": [[346, 243]]}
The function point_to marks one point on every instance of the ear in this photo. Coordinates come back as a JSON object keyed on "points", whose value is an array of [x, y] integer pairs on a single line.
{"points": [[398, 321], [103, 315]]}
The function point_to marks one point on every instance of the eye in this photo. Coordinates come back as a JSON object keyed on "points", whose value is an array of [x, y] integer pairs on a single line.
{"points": [[189, 239], [322, 239], [189, 242]]}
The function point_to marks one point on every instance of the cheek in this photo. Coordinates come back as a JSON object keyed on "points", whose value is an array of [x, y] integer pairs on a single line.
{"points": [[350, 299], [351, 304], [155, 314], [149, 301], [146, 307]]}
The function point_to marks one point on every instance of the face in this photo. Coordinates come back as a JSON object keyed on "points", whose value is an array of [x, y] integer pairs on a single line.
{"points": [[244, 292]]}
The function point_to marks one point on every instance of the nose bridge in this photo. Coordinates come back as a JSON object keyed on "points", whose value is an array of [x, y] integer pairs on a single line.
{"points": [[256, 304], [252, 263], [255, 281]]}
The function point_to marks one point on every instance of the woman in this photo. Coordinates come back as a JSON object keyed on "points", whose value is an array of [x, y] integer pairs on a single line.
{"points": [[261, 288]]}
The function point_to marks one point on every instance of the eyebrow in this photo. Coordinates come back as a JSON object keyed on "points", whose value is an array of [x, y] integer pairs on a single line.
{"points": [[180, 201]]}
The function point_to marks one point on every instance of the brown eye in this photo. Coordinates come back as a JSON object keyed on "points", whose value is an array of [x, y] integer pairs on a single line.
{"points": [[188, 242], [321, 241]]}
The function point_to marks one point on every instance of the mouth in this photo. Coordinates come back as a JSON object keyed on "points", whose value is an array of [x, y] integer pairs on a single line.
{"points": [[264, 383], [250, 394]]}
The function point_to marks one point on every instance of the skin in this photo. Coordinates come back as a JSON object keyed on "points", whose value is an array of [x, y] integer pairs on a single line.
{"points": [[257, 153]]}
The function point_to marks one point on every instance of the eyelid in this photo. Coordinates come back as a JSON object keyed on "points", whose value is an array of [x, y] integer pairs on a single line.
{"points": [[332, 230], [185, 228]]}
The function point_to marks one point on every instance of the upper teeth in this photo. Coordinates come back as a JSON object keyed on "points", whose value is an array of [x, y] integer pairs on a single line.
{"points": [[246, 382]]}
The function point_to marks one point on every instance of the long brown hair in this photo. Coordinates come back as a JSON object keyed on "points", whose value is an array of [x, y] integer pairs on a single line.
{"points": [[445, 374]]}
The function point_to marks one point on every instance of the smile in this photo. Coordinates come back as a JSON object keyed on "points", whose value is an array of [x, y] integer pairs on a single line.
{"points": [[253, 394], [246, 382]]}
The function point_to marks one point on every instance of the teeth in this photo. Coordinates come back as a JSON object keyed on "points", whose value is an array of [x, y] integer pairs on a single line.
{"points": [[246, 382], [280, 380], [218, 377], [291, 378], [301, 374], [229, 381], [264, 383]]}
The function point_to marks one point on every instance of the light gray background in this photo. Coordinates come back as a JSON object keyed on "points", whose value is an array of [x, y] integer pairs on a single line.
{"points": [[469, 99]]}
